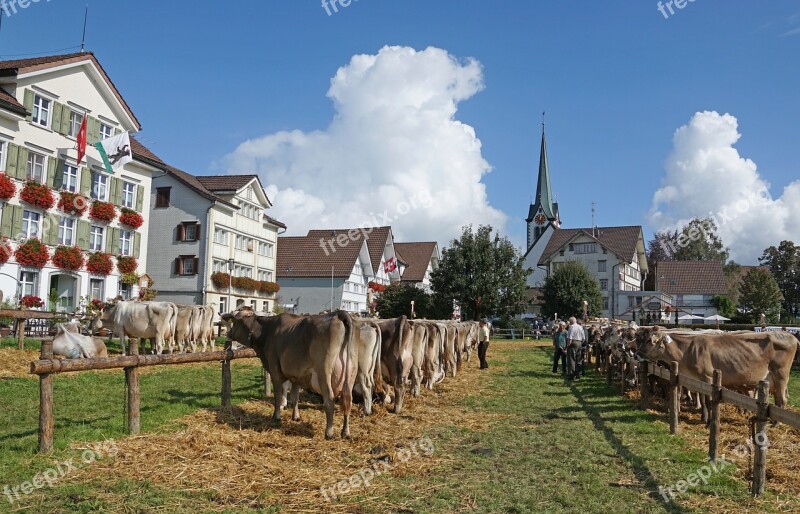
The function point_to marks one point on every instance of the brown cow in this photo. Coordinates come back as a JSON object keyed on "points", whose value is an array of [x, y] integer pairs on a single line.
{"points": [[368, 378], [313, 352], [396, 358], [419, 345], [745, 358]]}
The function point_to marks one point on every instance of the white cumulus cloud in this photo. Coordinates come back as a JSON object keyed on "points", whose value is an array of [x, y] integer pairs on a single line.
{"points": [[706, 176], [394, 152]]}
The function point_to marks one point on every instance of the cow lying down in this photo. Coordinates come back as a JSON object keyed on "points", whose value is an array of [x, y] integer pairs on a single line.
{"points": [[70, 343]]}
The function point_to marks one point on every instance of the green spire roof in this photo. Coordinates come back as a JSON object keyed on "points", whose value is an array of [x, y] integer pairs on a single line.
{"points": [[544, 195]]}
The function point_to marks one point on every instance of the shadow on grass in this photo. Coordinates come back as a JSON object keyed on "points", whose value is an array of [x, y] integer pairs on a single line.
{"points": [[640, 470]]}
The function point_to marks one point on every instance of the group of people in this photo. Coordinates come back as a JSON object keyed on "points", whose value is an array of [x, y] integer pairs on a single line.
{"points": [[570, 342]]}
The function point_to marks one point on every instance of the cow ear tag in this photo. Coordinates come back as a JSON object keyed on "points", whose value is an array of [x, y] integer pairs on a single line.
{"points": [[667, 339]]}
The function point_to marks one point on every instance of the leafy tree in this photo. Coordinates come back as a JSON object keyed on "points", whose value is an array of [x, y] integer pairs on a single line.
{"points": [[733, 277], [724, 305], [698, 241], [396, 299], [659, 249], [784, 263], [483, 273], [566, 289], [759, 293]]}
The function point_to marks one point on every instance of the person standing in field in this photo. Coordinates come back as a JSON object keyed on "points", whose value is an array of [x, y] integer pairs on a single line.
{"points": [[575, 338], [483, 343], [560, 348]]}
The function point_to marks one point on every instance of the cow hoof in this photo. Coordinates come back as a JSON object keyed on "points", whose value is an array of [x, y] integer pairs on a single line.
{"points": [[296, 418], [328, 436], [345, 435]]}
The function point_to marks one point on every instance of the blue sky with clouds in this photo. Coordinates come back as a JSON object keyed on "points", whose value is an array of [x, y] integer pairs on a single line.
{"points": [[616, 79]]}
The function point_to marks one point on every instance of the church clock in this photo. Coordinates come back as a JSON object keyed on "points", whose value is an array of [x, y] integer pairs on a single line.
{"points": [[540, 219]]}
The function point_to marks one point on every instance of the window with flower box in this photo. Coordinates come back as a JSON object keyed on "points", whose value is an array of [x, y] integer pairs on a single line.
{"points": [[96, 233], [128, 194], [41, 111], [265, 275], [30, 224], [219, 266], [28, 282], [66, 231], [69, 181], [36, 167], [3, 153], [99, 186], [125, 242], [96, 286]]}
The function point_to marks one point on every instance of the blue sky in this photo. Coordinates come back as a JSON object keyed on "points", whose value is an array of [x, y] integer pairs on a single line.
{"points": [[616, 79]]}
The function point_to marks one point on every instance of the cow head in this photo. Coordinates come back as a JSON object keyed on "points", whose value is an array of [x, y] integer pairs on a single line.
{"points": [[242, 326], [652, 343], [104, 314]]}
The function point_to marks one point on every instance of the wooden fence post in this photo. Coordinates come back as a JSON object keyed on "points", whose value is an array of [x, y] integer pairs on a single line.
{"points": [[134, 395], [267, 385], [674, 398], [21, 335], [703, 407], [714, 422], [760, 440], [623, 361], [46, 422], [644, 385], [226, 376]]}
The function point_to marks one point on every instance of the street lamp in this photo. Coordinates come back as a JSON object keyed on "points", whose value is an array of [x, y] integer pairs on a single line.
{"points": [[231, 262], [641, 315], [585, 310]]}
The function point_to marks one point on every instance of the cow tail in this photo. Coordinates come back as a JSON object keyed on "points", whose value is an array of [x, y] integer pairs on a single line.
{"points": [[377, 374], [399, 359], [350, 350]]}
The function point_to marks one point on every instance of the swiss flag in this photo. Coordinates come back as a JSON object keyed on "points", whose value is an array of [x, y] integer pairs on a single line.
{"points": [[82, 141], [390, 265]]}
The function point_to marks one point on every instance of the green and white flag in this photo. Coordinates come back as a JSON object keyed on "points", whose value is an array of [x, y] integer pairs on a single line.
{"points": [[115, 151]]}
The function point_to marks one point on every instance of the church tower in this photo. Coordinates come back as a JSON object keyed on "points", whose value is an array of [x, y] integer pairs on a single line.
{"points": [[543, 212]]}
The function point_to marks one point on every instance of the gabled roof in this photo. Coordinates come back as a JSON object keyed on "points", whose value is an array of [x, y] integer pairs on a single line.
{"points": [[690, 277], [307, 257], [273, 221], [8, 102], [225, 183], [621, 241], [418, 257], [144, 154], [376, 240], [22, 66]]}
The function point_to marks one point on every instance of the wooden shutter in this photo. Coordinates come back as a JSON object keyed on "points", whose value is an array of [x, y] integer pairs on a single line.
{"points": [[196, 265], [92, 130], [115, 190], [7, 222], [65, 115], [51, 237], [197, 232], [137, 243], [58, 176], [56, 117], [52, 166], [16, 223], [86, 182], [22, 163], [11, 160], [114, 234], [181, 233], [28, 104], [139, 198], [83, 234], [178, 266]]}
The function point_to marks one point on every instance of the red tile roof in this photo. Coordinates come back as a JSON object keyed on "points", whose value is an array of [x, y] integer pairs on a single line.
{"points": [[17, 66], [621, 241], [219, 183], [141, 152], [418, 257], [310, 257], [8, 102], [376, 240], [690, 277]]}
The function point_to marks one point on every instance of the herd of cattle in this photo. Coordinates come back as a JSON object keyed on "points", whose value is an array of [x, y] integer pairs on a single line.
{"points": [[743, 357]]}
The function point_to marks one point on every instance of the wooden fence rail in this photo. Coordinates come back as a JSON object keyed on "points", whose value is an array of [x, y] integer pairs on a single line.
{"points": [[716, 395], [47, 366]]}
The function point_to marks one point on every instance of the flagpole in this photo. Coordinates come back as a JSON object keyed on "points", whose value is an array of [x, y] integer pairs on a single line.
{"points": [[85, 18], [331, 288]]}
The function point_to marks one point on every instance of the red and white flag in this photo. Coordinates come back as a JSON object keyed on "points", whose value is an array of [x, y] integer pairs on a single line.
{"points": [[82, 140], [390, 265]]}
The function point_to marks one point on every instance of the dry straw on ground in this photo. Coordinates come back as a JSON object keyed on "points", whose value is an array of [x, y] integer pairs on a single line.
{"points": [[246, 460]]}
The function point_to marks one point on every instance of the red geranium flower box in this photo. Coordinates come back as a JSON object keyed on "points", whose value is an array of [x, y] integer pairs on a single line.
{"points": [[73, 203], [246, 283], [7, 187], [32, 253], [37, 194], [267, 287], [126, 264], [5, 250], [131, 218], [99, 264], [103, 211], [220, 279], [69, 258], [31, 302]]}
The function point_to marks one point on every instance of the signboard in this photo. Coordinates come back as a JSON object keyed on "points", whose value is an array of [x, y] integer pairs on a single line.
{"points": [[654, 306]]}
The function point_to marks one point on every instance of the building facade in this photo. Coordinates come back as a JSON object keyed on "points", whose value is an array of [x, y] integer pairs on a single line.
{"points": [[43, 103], [692, 285], [420, 259], [211, 243]]}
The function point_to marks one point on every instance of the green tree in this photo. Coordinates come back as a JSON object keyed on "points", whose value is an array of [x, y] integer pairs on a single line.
{"points": [[724, 305], [784, 263], [698, 241], [483, 272], [759, 293], [396, 299], [565, 291], [660, 248]]}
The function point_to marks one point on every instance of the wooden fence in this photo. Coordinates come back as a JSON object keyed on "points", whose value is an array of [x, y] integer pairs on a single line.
{"points": [[763, 411], [29, 322], [47, 366]]}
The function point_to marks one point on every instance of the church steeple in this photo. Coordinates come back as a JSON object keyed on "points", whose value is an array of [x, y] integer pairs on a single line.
{"points": [[544, 211]]}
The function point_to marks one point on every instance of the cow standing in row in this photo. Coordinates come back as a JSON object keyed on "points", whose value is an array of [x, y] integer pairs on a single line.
{"points": [[149, 320], [396, 356], [368, 377]]}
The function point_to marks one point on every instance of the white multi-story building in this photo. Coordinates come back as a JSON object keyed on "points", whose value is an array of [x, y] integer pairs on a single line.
{"points": [[43, 102], [420, 259]]}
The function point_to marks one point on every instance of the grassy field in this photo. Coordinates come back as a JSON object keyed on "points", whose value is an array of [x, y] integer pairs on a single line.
{"points": [[515, 438]]}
